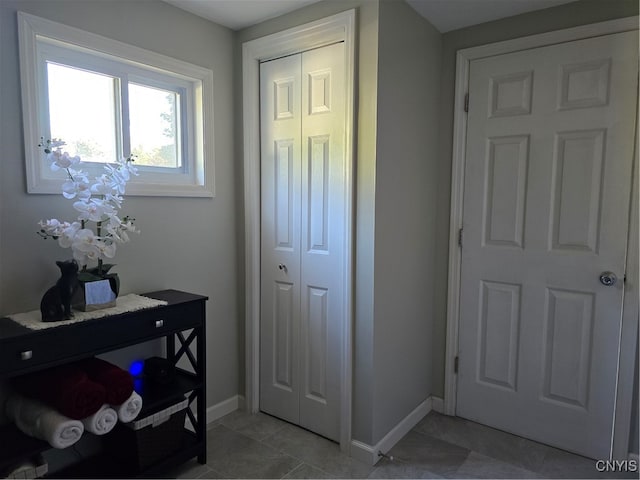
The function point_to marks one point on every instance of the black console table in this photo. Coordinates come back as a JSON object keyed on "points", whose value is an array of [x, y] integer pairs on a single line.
{"points": [[181, 323]]}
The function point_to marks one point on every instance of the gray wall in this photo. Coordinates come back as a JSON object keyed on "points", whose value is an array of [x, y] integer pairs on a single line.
{"points": [[185, 244], [564, 16], [409, 50]]}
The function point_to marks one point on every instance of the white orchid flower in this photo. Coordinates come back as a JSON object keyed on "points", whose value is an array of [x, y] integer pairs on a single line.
{"points": [[84, 239], [56, 142], [97, 202], [122, 171], [80, 257], [62, 160], [95, 209], [92, 254], [120, 175], [85, 246], [119, 184], [77, 188], [92, 247], [130, 167], [113, 229], [129, 227], [53, 158], [103, 186], [52, 227], [115, 199], [68, 234], [106, 250]]}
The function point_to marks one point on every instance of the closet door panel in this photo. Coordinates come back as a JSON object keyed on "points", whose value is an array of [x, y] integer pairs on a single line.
{"points": [[303, 229], [323, 232], [280, 243]]}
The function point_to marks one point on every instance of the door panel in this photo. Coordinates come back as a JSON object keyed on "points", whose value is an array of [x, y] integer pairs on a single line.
{"points": [[283, 347], [499, 334], [323, 233], [315, 348], [546, 203], [280, 112], [567, 355], [577, 189], [303, 230], [506, 190]]}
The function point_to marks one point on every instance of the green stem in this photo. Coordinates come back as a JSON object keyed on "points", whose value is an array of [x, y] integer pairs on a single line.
{"points": [[98, 232]]}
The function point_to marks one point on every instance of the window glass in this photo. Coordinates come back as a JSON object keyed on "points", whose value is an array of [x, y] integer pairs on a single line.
{"points": [[154, 126], [82, 111], [108, 100]]}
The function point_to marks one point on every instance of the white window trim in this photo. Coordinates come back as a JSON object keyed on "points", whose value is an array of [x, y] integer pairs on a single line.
{"points": [[200, 179]]}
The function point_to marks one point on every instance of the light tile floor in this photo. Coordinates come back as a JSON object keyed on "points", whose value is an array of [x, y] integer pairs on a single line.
{"points": [[241, 445]]}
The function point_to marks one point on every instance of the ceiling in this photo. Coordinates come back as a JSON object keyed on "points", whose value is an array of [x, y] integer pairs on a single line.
{"points": [[238, 14], [445, 15], [448, 15]]}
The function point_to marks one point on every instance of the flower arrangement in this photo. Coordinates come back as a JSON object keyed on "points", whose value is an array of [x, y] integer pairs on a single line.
{"points": [[98, 203]]}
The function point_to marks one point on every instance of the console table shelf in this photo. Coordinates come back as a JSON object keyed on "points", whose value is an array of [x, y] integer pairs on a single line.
{"points": [[102, 466], [181, 323]]}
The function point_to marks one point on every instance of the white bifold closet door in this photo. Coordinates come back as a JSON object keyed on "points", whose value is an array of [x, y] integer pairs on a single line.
{"points": [[302, 239]]}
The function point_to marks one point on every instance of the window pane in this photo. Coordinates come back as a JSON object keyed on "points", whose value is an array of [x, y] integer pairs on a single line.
{"points": [[82, 112], [153, 120]]}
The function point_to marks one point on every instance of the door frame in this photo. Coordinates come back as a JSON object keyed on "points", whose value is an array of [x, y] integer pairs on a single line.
{"points": [[629, 329], [336, 28]]}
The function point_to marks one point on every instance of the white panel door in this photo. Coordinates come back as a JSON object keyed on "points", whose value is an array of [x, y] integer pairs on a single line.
{"points": [[281, 146], [546, 208], [303, 231], [323, 232]]}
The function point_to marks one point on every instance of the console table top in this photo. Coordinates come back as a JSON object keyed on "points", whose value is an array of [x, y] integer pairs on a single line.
{"points": [[10, 329]]}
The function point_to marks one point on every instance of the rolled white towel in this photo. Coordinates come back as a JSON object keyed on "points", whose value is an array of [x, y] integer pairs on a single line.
{"points": [[38, 420], [102, 421], [130, 409]]}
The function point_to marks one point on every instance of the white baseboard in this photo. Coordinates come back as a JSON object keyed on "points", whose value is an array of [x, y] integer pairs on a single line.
{"points": [[371, 454], [364, 453], [219, 410]]}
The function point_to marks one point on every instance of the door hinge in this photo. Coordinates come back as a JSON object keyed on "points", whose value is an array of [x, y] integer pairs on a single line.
{"points": [[456, 364], [460, 237], [466, 102]]}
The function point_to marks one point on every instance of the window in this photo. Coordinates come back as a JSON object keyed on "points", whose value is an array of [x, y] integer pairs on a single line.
{"points": [[108, 100]]}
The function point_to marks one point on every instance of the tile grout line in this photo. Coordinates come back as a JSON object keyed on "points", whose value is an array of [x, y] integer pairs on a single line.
{"points": [[489, 455], [211, 470], [293, 469], [322, 470], [263, 442], [303, 462]]}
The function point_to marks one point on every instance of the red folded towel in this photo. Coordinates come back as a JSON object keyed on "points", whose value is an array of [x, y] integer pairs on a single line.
{"points": [[66, 388], [117, 382]]}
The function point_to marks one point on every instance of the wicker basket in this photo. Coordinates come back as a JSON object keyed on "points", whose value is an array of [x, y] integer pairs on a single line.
{"points": [[143, 442], [35, 467]]}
